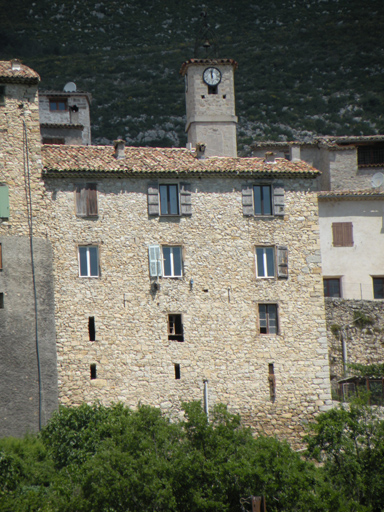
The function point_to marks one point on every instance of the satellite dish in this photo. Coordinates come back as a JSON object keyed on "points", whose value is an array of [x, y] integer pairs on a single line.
{"points": [[377, 180], [70, 87]]}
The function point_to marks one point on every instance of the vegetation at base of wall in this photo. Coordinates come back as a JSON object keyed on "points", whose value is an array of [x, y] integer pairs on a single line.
{"points": [[305, 68], [361, 319], [114, 459]]}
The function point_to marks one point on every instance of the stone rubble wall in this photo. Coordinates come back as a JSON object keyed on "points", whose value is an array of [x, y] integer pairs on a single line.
{"points": [[134, 358], [364, 345]]}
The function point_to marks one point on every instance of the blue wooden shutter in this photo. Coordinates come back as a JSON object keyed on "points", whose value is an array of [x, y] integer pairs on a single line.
{"points": [[4, 202]]}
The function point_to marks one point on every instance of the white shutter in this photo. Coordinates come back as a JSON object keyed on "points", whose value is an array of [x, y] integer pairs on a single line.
{"points": [[154, 260]]}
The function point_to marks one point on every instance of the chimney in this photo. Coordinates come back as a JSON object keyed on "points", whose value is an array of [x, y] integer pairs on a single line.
{"points": [[294, 153], [200, 150], [16, 65], [270, 157], [119, 146]]}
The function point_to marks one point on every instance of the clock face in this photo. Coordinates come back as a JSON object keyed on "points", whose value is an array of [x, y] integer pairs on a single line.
{"points": [[212, 76]]}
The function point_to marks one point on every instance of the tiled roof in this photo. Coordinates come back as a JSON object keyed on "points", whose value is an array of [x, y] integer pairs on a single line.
{"points": [[62, 125], [329, 141], [22, 75], [207, 62], [64, 160], [329, 195]]}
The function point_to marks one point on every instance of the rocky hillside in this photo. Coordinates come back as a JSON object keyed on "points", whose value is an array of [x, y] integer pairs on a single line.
{"points": [[306, 67]]}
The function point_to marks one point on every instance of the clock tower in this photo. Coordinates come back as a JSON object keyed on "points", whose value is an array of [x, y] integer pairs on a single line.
{"points": [[210, 102]]}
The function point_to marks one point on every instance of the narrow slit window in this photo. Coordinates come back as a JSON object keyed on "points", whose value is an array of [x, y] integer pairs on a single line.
{"points": [[1, 300], [272, 382], [1, 257], [93, 371], [91, 328], [175, 328], [177, 371]]}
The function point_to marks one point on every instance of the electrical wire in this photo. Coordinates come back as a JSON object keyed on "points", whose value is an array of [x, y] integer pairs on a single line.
{"points": [[27, 180]]}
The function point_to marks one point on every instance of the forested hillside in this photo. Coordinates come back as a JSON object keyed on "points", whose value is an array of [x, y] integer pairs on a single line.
{"points": [[305, 67]]}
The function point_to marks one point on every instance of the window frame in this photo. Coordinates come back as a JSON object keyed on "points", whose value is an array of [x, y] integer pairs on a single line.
{"points": [[175, 336], [56, 101], [168, 185], [269, 305], [265, 261], [172, 248], [378, 278], [326, 282], [88, 261], [262, 213]]}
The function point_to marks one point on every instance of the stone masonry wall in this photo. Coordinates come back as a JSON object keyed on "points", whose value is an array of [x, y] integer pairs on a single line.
{"points": [[364, 345], [133, 356], [19, 391]]}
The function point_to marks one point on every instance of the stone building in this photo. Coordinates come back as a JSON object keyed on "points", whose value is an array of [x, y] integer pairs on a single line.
{"points": [[174, 274], [65, 116]]}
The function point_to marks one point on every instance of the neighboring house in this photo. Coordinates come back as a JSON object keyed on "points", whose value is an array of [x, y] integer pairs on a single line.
{"points": [[65, 116], [174, 275]]}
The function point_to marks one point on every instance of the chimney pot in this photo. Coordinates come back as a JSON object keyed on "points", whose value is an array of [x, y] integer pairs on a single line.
{"points": [[294, 153], [119, 146], [200, 150], [270, 157], [15, 65]]}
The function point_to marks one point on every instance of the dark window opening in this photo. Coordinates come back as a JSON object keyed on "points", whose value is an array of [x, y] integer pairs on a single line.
{"points": [[262, 199], [202, 97], [57, 105], [378, 287], [342, 234], [93, 371], [53, 140], [212, 89], [224, 96], [272, 381], [177, 371], [91, 328], [175, 328], [268, 318], [1, 257], [1, 300], [331, 287], [169, 200], [2, 95], [370, 155]]}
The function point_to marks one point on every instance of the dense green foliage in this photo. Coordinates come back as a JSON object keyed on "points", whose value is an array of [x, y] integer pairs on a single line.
{"points": [[99, 459], [305, 67]]}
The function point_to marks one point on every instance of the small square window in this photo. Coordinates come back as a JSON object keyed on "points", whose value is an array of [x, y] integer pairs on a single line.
{"points": [[172, 261], [332, 287], [169, 199], [175, 328], [268, 319], [58, 105], [342, 234], [378, 287], [265, 261], [88, 261], [262, 199]]}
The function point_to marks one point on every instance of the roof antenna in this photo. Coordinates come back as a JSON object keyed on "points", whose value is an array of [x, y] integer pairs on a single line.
{"points": [[206, 43]]}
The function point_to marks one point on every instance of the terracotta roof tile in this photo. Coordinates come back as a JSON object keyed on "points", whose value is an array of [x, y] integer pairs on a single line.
{"points": [[22, 75], [62, 160], [206, 62], [329, 195], [72, 126]]}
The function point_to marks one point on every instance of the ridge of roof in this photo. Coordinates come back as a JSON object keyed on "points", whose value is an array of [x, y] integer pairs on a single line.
{"points": [[23, 74], [65, 159]]}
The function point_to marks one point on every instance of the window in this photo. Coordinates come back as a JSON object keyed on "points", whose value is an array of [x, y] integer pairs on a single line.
{"points": [[2, 95], [93, 371], [342, 234], [370, 155], [165, 261], [58, 105], [175, 328], [4, 202], [91, 328], [268, 318], [378, 287], [177, 371], [265, 261], [86, 200], [263, 199], [172, 263], [266, 258], [88, 261], [1, 256], [169, 199], [1, 300], [331, 287], [53, 140]]}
